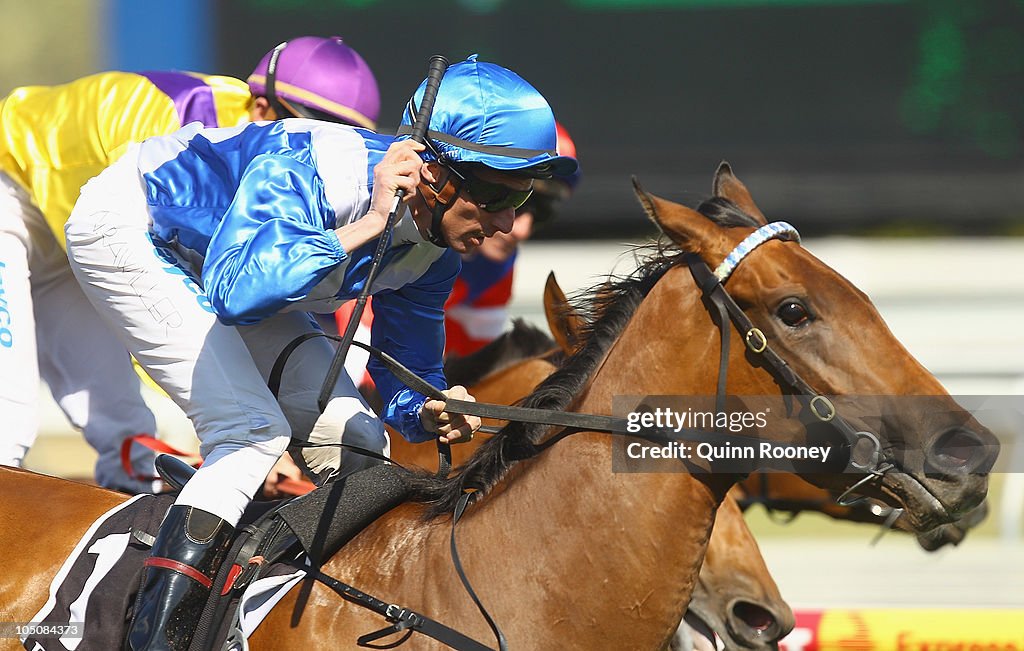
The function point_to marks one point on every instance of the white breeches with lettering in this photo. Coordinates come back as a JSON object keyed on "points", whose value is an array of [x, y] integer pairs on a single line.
{"points": [[216, 373]]}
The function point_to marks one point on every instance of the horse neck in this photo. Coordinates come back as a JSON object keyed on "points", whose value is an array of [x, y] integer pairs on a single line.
{"points": [[605, 560], [733, 559], [645, 532], [640, 535]]}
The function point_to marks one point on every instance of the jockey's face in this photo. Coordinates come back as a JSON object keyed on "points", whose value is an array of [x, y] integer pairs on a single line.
{"points": [[469, 220]]}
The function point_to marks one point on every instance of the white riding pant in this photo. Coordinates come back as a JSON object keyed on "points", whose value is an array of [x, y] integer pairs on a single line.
{"points": [[216, 373], [48, 328]]}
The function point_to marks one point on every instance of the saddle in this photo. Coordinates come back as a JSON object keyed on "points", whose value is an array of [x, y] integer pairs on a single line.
{"points": [[313, 526]]}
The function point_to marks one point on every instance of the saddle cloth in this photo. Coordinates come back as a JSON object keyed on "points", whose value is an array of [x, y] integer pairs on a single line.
{"points": [[94, 591], [96, 586]]}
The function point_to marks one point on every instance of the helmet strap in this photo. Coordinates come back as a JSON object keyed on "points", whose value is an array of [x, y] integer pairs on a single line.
{"points": [[435, 236], [271, 93], [291, 109], [442, 199]]}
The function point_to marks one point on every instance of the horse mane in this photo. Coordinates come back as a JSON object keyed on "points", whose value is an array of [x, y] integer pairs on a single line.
{"points": [[524, 340], [608, 307]]}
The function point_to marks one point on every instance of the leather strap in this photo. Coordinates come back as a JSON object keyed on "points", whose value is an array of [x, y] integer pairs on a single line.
{"points": [[444, 450], [402, 618], [575, 421], [180, 568]]}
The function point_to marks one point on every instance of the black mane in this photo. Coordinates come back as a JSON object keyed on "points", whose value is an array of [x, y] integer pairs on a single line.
{"points": [[608, 308]]}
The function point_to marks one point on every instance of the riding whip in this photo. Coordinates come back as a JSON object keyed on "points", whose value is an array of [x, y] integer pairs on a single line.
{"points": [[438, 66]]}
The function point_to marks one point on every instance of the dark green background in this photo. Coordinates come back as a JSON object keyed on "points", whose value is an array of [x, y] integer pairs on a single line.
{"points": [[840, 116]]}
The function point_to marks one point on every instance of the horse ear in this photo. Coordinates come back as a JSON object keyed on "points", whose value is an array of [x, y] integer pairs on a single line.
{"points": [[686, 227], [727, 186], [565, 323], [646, 200]]}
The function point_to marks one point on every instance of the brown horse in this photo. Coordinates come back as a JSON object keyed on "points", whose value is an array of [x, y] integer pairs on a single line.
{"points": [[783, 493], [41, 520], [565, 552], [619, 579], [735, 596]]}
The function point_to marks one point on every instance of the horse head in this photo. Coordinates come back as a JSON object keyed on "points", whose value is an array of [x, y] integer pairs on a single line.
{"points": [[828, 332], [735, 596], [820, 352]]}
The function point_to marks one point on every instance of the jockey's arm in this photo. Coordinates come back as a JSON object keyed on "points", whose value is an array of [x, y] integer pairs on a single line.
{"points": [[275, 243], [408, 324]]}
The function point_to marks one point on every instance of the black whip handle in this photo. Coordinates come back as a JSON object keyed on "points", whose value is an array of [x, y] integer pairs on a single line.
{"points": [[438, 66]]}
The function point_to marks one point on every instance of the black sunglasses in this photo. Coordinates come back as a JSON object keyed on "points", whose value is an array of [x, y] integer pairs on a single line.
{"points": [[491, 197]]}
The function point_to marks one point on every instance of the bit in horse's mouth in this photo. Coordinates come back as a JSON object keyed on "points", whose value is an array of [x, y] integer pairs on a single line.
{"points": [[922, 507]]}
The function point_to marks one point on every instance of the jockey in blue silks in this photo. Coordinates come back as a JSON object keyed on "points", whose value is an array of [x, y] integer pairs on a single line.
{"points": [[205, 250]]}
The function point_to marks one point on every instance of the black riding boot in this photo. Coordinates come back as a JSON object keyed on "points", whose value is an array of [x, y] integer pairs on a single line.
{"points": [[179, 571]]}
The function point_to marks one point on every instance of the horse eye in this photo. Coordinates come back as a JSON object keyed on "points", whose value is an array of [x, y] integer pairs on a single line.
{"points": [[793, 313]]}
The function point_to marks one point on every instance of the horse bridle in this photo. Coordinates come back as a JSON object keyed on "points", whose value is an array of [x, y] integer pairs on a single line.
{"points": [[868, 460]]}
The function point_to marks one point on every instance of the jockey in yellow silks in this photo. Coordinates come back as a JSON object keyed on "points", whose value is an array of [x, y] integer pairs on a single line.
{"points": [[53, 139]]}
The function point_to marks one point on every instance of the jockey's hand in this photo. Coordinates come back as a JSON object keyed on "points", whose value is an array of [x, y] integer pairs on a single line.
{"points": [[399, 169], [450, 428], [285, 468]]}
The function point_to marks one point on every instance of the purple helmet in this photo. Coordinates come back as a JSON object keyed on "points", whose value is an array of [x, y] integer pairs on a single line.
{"points": [[319, 78]]}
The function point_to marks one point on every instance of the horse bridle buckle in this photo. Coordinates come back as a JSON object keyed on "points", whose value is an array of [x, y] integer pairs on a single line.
{"points": [[397, 614], [762, 341], [818, 402]]}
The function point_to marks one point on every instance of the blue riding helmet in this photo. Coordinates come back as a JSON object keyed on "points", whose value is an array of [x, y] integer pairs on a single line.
{"points": [[489, 115]]}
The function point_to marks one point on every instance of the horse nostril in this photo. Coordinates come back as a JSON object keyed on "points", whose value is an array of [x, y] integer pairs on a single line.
{"points": [[956, 448], [758, 619]]}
